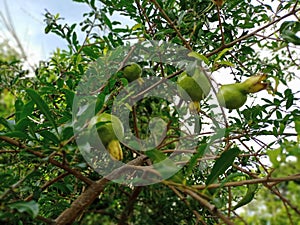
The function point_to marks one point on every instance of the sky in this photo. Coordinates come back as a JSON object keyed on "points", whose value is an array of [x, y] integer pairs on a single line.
{"points": [[27, 17]]}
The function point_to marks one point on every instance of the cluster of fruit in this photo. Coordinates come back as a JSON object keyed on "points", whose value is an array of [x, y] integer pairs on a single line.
{"points": [[197, 86]]}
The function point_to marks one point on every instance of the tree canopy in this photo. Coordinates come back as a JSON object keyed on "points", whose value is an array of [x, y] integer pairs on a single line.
{"points": [[180, 163]]}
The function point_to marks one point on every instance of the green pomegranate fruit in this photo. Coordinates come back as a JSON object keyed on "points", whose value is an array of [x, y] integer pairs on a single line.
{"points": [[108, 136], [196, 86], [132, 72], [234, 96]]}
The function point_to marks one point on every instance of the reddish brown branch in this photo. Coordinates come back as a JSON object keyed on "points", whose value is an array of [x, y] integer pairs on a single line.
{"points": [[130, 205], [211, 208], [267, 180], [228, 45], [220, 25], [182, 198], [92, 192], [170, 22], [47, 184], [273, 189]]}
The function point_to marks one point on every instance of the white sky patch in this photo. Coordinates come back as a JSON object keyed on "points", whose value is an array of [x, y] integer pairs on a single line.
{"points": [[28, 20]]}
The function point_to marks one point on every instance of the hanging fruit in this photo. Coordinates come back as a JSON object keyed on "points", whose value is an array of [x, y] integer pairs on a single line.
{"points": [[132, 72], [108, 135], [196, 86], [234, 96]]}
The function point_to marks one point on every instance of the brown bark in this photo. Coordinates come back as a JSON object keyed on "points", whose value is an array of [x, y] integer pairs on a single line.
{"points": [[92, 192]]}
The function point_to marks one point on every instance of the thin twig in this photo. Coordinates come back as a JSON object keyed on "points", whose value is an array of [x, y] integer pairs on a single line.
{"points": [[170, 22], [197, 215], [220, 24], [228, 45], [267, 180], [272, 189], [211, 208], [48, 184], [144, 15], [130, 206], [51, 160]]}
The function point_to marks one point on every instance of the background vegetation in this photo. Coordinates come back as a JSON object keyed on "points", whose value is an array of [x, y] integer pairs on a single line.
{"points": [[44, 178]]}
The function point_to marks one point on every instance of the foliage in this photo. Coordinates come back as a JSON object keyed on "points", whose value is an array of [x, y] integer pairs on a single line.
{"points": [[253, 158]]}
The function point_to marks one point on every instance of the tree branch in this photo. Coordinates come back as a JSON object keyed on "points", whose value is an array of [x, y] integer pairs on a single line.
{"points": [[51, 160], [92, 192], [267, 180], [170, 22], [213, 209], [228, 45]]}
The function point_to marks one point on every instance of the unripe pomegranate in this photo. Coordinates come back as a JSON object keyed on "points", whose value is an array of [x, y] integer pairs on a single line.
{"points": [[108, 136], [196, 86], [132, 72], [234, 96]]}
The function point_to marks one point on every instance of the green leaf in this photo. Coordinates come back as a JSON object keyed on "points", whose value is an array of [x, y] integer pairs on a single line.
{"points": [[248, 197], [222, 164], [90, 52], [289, 101], [17, 134], [199, 56], [291, 37], [50, 136], [167, 168], [6, 123], [222, 53], [32, 208], [74, 39], [106, 20], [92, 3], [194, 160], [290, 98], [177, 177], [23, 124], [273, 155], [27, 109], [42, 105], [288, 31], [136, 26], [69, 97], [19, 107], [67, 133], [297, 125], [48, 28], [231, 177], [156, 155], [226, 63]]}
